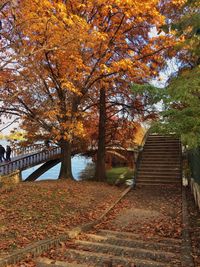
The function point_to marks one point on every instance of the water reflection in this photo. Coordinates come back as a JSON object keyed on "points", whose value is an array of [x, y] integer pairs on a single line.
{"points": [[82, 168], [88, 172]]}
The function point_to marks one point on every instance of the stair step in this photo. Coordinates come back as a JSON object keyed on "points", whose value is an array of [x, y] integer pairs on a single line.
{"points": [[158, 168], [126, 251], [163, 138], [149, 141], [159, 176], [158, 172], [158, 145], [158, 155], [161, 150], [155, 165], [161, 141], [160, 161], [156, 182], [148, 167], [161, 135], [133, 243], [45, 262], [129, 235], [101, 259], [141, 184]]}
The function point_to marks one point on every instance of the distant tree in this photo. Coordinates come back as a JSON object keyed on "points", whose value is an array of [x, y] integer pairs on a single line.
{"points": [[182, 95]]}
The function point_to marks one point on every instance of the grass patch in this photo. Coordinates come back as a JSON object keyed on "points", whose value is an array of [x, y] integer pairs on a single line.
{"points": [[119, 175]]}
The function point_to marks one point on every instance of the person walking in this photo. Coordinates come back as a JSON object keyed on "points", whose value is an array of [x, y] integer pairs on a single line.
{"points": [[8, 153], [47, 143], [2, 152]]}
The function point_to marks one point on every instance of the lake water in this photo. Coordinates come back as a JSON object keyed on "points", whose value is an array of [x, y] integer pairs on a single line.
{"points": [[82, 168]]}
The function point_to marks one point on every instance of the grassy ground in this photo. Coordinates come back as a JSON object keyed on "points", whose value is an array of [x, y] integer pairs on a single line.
{"points": [[38, 210], [119, 175]]}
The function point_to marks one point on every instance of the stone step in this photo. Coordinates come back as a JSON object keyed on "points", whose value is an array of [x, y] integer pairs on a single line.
{"points": [[155, 165], [161, 160], [170, 135], [161, 151], [154, 137], [158, 168], [162, 142], [166, 161], [158, 173], [158, 178], [141, 181], [153, 255], [142, 184], [133, 243], [109, 260], [45, 262], [161, 165], [129, 235], [162, 155], [161, 146], [164, 137]]}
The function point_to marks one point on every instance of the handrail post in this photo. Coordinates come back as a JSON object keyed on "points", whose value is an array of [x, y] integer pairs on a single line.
{"points": [[139, 155]]}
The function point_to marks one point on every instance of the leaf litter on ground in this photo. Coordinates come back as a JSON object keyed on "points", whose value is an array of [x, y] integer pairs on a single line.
{"points": [[38, 210]]}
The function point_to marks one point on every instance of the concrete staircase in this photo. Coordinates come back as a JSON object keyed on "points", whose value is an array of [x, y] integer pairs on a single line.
{"points": [[160, 162], [110, 248]]}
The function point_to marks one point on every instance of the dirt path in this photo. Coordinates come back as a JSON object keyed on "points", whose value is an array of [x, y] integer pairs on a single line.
{"points": [[149, 210], [149, 213]]}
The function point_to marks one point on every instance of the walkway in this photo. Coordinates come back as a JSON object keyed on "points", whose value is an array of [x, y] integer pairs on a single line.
{"points": [[143, 230], [30, 158]]}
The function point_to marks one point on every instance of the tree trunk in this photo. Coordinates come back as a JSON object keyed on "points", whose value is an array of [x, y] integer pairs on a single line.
{"points": [[100, 172], [66, 166]]}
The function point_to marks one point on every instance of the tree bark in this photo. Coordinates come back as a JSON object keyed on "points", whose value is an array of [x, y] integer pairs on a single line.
{"points": [[100, 172], [66, 165]]}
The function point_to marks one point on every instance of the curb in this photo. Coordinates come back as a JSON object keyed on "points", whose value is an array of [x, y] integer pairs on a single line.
{"points": [[186, 248], [37, 248]]}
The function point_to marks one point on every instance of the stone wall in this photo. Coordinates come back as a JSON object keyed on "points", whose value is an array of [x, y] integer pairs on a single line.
{"points": [[195, 187], [10, 180]]}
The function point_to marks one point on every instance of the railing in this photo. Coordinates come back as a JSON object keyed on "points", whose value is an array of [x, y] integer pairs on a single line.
{"points": [[139, 155], [29, 160], [27, 150]]}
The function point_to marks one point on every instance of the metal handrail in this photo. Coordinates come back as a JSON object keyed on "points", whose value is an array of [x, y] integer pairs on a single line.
{"points": [[139, 155]]}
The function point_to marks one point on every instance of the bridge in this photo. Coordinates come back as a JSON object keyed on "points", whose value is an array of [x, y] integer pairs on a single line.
{"points": [[25, 158], [31, 156]]}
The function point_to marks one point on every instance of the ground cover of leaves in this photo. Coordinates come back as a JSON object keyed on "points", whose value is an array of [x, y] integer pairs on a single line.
{"points": [[35, 211], [194, 221], [149, 211]]}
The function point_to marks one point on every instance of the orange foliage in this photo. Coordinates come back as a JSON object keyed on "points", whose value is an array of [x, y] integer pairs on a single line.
{"points": [[65, 51]]}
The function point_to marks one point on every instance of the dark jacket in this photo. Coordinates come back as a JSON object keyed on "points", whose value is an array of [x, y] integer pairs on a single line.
{"points": [[2, 150], [8, 150]]}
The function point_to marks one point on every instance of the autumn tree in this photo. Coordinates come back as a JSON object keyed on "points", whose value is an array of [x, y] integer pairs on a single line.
{"points": [[75, 51]]}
